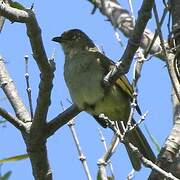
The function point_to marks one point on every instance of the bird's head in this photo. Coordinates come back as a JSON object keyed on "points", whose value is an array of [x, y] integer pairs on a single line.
{"points": [[74, 38]]}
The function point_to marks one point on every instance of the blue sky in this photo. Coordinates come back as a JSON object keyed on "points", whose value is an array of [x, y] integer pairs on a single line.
{"points": [[55, 18]]}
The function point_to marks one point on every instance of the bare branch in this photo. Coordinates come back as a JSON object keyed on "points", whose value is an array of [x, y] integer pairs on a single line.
{"points": [[134, 41], [61, 120], [34, 139], [102, 162], [82, 157], [121, 19], [147, 163], [13, 120], [13, 14], [27, 16], [11, 92], [28, 88], [169, 58], [106, 149], [169, 154]]}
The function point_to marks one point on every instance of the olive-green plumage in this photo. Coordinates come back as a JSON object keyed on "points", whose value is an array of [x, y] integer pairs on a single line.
{"points": [[84, 70]]}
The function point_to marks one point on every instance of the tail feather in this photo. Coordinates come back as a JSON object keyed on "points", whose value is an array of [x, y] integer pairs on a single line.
{"points": [[137, 138]]}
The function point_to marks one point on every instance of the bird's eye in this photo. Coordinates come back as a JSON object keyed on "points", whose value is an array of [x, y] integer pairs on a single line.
{"points": [[70, 37]]}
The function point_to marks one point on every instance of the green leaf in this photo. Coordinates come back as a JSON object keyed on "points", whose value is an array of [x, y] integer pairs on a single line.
{"points": [[6, 176], [14, 158], [17, 5], [153, 139]]}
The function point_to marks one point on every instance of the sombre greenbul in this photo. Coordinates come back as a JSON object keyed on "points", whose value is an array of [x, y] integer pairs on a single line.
{"points": [[84, 70]]}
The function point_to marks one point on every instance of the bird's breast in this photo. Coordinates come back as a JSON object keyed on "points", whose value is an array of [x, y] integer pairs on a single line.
{"points": [[83, 76]]}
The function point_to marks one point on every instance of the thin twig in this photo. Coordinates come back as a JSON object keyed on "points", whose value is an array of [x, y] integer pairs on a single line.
{"points": [[132, 111], [8, 87], [131, 175], [106, 149], [28, 17], [147, 163], [137, 68], [82, 157], [102, 162], [118, 37], [169, 62], [142, 118], [148, 49], [28, 88], [123, 65]]}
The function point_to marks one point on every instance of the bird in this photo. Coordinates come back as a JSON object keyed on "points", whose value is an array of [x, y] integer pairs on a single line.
{"points": [[84, 69]]}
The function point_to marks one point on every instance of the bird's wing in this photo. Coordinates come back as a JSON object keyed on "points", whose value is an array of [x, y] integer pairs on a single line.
{"points": [[122, 81]]}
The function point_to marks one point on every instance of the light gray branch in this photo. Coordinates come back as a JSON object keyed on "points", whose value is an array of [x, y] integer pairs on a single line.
{"points": [[121, 19], [11, 92], [82, 157]]}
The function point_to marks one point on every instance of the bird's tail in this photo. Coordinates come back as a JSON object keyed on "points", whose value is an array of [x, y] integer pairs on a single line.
{"points": [[137, 138]]}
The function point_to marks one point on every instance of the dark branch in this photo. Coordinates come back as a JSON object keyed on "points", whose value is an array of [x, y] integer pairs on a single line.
{"points": [[61, 120], [27, 16], [34, 139], [120, 18], [124, 63], [12, 119], [169, 156]]}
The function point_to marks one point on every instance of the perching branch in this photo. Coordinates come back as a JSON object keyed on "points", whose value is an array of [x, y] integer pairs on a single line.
{"points": [[134, 41], [61, 120]]}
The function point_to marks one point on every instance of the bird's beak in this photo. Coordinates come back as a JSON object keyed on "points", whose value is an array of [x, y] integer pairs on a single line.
{"points": [[57, 39]]}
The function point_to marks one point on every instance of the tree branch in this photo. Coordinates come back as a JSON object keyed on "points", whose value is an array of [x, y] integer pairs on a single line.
{"points": [[123, 65], [169, 157], [27, 16], [120, 18], [61, 120], [34, 136], [12, 94], [13, 120]]}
